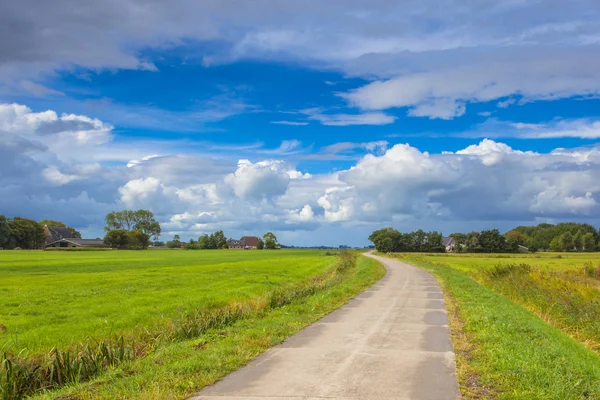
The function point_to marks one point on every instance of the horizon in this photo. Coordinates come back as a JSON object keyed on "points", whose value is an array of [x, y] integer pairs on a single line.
{"points": [[320, 125]]}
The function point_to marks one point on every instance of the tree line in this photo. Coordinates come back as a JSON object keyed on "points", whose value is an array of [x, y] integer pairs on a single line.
{"points": [[569, 236], [25, 233], [390, 240], [217, 240]]}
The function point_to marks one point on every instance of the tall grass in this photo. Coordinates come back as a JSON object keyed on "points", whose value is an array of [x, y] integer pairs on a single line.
{"points": [[22, 375], [569, 299]]}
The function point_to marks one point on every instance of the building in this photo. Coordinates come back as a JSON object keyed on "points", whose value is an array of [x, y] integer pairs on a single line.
{"points": [[73, 242], [62, 237], [449, 243], [246, 242]]}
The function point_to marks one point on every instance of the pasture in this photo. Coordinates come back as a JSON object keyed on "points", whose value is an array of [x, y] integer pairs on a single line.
{"points": [[58, 298], [157, 302]]}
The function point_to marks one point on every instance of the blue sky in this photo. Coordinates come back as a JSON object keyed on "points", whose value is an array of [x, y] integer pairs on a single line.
{"points": [[319, 123]]}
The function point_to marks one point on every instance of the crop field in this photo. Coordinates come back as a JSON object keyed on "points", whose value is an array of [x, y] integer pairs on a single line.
{"points": [[130, 306], [524, 326]]}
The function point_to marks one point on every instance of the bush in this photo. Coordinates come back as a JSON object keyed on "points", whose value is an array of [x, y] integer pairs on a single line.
{"points": [[123, 239]]}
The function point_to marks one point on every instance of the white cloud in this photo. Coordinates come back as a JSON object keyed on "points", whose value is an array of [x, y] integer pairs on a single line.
{"points": [[292, 123], [261, 180], [438, 108], [369, 118], [486, 184], [558, 128], [133, 163], [440, 90]]}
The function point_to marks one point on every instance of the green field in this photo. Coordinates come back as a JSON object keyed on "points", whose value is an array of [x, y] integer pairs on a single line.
{"points": [[524, 326], [58, 298], [165, 302]]}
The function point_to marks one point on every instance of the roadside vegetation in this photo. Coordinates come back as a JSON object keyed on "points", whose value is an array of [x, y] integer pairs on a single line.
{"points": [[158, 324], [524, 326]]}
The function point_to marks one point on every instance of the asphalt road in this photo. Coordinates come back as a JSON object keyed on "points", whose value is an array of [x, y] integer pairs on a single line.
{"points": [[391, 342]]}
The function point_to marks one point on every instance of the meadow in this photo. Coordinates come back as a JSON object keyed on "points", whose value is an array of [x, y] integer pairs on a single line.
{"points": [[104, 312], [524, 326]]}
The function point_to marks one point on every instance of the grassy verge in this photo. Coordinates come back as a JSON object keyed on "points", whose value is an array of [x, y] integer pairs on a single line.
{"points": [[177, 368], [507, 352]]}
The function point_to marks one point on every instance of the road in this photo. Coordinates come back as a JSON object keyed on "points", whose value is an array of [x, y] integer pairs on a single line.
{"points": [[391, 342]]}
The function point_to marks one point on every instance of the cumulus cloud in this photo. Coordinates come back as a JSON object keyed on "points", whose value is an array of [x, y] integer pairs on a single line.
{"points": [[262, 180], [487, 182]]}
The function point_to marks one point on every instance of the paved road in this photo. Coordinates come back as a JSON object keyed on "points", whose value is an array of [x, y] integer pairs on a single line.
{"points": [[391, 342]]}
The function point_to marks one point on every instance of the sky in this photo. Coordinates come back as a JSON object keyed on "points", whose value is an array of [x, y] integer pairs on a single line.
{"points": [[319, 121]]}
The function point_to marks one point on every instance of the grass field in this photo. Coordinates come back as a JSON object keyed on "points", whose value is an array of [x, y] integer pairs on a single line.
{"points": [[524, 326], [197, 305]]}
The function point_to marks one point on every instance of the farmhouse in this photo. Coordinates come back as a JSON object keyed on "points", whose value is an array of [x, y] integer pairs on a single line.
{"points": [[62, 237], [449, 243], [246, 242]]}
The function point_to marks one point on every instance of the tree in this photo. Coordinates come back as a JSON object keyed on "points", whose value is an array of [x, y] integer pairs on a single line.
{"points": [[435, 242], [145, 222], [140, 220], [6, 238], [123, 239], [117, 239], [175, 243], [492, 241], [50, 222], [270, 240], [387, 240], [514, 239], [137, 240], [260, 244], [205, 242], [219, 240], [556, 244], [26, 233], [578, 241], [117, 220], [566, 241], [473, 241], [589, 244]]}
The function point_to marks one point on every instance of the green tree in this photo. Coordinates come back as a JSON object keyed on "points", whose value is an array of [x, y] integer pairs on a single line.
{"points": [[589, 244], [145, 222], [566, 241], [270, 240], [117, 239], [205, 242], [220, 240], [175, 243], [556, 244], [6, 237], [491, 240], [578, 241], [137, 240], [434, 241], [27, 233], [116, 220], [260, 244]]}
